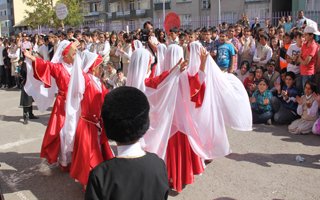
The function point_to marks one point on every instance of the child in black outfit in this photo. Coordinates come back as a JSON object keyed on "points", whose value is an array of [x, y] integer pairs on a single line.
{"points": [[133, 174]]}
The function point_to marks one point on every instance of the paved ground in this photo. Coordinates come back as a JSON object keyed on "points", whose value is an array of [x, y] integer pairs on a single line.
{"points": [[262, 166]]}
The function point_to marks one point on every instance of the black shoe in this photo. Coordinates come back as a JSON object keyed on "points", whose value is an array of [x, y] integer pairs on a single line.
{"points": [[25, 118], [32, 116]]}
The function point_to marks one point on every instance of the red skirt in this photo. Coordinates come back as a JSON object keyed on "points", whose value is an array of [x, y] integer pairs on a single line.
{"points": [[89, 150], [182, 162], [50, 147]]}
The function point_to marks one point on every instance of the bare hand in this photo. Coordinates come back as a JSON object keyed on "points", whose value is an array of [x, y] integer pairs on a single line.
{"points": [[299, 100], [266, 101], [183, 65], [252, 100]]}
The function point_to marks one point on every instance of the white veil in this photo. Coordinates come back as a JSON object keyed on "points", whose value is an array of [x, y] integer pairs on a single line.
{"points": [[161, 100], [206, 125], [76, 89], [161, 50]]}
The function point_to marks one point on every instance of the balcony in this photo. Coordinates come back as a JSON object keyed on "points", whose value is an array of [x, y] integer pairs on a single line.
{"points": [[131, 14], [159, 6], [91, 14]]}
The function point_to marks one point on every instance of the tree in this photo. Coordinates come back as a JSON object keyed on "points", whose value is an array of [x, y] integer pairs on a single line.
{"points": [[75, 16], [43, 13]]}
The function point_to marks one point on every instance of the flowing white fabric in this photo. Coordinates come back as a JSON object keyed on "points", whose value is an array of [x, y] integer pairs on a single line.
{"points": [[76, 89], [137, 44], [161, 100], [172, 56], [225, 103], [42, 96], [161, 50]]}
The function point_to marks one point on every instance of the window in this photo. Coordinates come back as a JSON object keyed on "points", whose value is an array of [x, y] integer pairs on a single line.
{"points": [[5, 12], [138, 4], [205, 4], [131, 5], [185, 21], [184, 1], [131, 25], [94, 7], [312, 5], [118, 7]]}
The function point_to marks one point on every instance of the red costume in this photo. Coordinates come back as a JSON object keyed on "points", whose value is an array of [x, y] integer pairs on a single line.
{"points": [[91, 146], [182, 162], [43, 71]]}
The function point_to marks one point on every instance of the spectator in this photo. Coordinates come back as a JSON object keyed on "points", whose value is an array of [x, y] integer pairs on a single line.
{"points": [[248, 46], [285, 105], [307, 109], [301, 19], [225, 54], [115, 59], [119, 80], [118, 178], [236, 44], [249, 82], [242, 73], [288, 25], [271, 75], [308, 53], [2, 69], [293, 54], [208, 43], [261, 104], [263, 53], [275, 46]]}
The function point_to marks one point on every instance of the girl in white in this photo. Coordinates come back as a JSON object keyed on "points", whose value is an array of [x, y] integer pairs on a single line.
{"points": [[308, 109]]}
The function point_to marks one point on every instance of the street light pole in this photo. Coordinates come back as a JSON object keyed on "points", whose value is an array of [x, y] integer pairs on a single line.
{"points": [[164, 10], [219, 11]]}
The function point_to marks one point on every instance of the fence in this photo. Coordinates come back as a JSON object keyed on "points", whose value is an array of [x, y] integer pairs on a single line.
{"points": [[185, 24]]}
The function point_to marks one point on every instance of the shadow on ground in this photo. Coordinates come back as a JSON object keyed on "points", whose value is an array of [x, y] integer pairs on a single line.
{"points": [[43, 119], [27, 172], [311, 161], [282, 130]]}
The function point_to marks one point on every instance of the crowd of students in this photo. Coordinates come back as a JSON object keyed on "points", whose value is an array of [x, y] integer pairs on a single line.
{"points": [[276, 69]]}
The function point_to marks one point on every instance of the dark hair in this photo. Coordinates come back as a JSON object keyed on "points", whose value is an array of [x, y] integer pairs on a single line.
{"points": [[147, 23], [113, 33], [298, 34], [125, 114], [291, 74], [263, 80], [127, 38], [313, 86], [246, 63]]}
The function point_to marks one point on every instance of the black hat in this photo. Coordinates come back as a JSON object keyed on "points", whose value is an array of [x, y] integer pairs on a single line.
{"points": [[125, 114]]}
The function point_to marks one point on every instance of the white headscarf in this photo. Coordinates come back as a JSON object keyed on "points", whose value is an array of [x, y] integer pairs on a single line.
{"points": [[161, 50], [137, 44], [162, 102]]}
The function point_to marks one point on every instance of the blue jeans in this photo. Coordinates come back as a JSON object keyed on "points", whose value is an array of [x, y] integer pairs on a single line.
{"points": [[259, 118]]}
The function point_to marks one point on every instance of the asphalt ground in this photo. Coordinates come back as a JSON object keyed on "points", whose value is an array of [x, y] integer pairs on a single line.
{"points": [[263, 164]]}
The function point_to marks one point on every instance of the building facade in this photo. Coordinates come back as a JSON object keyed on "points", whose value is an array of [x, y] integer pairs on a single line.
{"points": [[6, 17], [128, 14]]}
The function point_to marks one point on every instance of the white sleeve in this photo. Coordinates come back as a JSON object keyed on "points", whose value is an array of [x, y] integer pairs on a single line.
{"points": [[106, 49], [202, 76], [313, 110], [289, 52], [255, 57], [269, 56], [299, 110]]}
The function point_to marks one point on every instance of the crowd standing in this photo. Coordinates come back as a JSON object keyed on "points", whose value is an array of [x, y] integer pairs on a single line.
{"points": [[278, 66]]}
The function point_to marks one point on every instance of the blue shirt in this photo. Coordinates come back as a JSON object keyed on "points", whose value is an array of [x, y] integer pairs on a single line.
{"points": [[259, 104], [224, 55]]}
